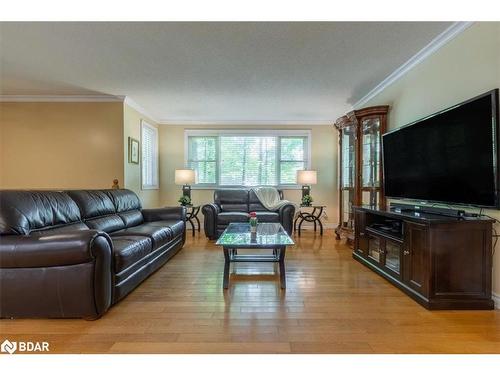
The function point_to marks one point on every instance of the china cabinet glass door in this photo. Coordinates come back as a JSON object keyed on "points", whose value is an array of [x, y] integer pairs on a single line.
{"points": [[370, 162], [348, 175]]}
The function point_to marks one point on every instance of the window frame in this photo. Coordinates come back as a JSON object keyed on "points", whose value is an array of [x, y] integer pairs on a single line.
{"points": [[156, 155], [306, 133]]}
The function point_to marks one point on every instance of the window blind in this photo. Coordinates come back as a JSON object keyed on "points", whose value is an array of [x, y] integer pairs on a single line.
{"points": [[247, 160], [149, 153]]}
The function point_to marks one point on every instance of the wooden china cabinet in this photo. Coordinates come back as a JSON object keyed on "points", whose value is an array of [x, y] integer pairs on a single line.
{"points": [[360, 164]]}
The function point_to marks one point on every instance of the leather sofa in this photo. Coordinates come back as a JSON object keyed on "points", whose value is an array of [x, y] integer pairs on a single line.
{"points": [[68, 254], [234, 205]]}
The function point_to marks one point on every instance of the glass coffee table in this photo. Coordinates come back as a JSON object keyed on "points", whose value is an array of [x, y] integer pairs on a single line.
{"points": [[270, 236]]}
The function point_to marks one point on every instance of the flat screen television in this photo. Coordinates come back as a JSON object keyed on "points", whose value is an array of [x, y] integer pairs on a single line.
{"points": [[448, 157]]}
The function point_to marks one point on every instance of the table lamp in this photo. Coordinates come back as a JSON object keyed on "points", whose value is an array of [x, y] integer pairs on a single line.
{"points": [[306, 179], [185, 177]]}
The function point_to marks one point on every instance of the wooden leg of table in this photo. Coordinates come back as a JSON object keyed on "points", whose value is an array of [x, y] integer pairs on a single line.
{"points": [[282, 268], [225, 283]]}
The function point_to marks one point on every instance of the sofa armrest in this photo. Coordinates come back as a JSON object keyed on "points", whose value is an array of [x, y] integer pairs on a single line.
{"points": [[166, 213], [286, 214], [51, 250], [65, 275], [210, 212]]}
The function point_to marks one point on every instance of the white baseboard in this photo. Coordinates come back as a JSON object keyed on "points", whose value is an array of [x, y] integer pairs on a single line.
{"points": [[496, 299]]}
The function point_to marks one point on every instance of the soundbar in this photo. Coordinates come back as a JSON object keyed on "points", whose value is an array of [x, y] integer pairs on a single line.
{"points": [[405, 207]]}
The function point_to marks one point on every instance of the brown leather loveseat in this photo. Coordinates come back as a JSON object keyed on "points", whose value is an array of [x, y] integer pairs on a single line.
{"points": [[75, 253]]}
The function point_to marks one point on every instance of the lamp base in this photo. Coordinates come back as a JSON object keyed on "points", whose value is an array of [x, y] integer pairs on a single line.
{"points": [[306, 190], [186, 190]]}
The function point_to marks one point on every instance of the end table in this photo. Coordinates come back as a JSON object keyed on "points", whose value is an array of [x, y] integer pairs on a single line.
{"points": [[310, 217], [192, 215]]}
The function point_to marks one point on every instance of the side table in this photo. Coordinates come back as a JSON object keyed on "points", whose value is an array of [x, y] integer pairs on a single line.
{"points": [[310, 217], [192, 215]]}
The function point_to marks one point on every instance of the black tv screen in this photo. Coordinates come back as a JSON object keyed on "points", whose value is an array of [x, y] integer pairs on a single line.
{"points": [[450, 156]]}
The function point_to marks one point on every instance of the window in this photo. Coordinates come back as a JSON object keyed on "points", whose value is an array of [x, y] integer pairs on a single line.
{"points": [[243, 158], [149, 153], [203, 158]]}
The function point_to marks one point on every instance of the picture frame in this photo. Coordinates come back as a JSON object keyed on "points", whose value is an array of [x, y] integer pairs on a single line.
{"points": [[133, 150]]}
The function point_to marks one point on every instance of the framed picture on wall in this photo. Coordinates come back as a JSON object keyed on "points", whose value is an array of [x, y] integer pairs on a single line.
{"points": [[133, 150]]}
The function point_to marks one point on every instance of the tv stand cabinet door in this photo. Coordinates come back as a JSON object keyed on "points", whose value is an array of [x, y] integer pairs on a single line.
{"points": [[415, 257], [361, 238]]}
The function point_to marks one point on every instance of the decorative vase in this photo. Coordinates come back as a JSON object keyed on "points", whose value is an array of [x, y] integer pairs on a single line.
{"points": [[253, 222]]}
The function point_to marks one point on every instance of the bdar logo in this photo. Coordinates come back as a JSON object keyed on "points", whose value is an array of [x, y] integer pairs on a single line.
{"points": [[8, 347], [12, 347]]}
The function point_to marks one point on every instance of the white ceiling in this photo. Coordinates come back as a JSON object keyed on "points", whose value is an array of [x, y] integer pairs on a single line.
{"points": [[212, 72]]}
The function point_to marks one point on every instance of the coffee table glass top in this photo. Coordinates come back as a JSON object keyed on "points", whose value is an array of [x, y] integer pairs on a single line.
{"points": [[268, 235]]}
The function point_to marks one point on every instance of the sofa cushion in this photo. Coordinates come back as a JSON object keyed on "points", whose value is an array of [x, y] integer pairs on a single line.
{"points": [[232, 200], [108, 223], [176, 226], [254, 202], [93, 203], [98, 209], [124, 200], [268, 217], [131, 218], [128, 250], [61, 229], [24, 211], [232, 217], [127, 206], [159, 234]]}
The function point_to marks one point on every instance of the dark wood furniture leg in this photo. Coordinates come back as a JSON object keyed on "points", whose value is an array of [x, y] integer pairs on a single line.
{"points": [[282, 267], [225, 283]]}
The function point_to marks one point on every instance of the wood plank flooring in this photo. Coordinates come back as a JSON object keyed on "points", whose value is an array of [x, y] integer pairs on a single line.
{"points": [[332, 304]]}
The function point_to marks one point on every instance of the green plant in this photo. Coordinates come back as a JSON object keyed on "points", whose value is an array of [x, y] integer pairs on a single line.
{"points": [[184, 200], [307, 200]]}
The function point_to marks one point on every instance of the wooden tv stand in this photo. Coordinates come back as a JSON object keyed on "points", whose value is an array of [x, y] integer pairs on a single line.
{"points": [[441, 262]]}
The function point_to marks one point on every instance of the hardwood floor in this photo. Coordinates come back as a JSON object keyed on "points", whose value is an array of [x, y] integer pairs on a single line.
{"points": [[332, 304]]}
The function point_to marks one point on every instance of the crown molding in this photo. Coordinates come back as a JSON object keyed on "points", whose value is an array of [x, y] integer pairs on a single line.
{"points": [[246, 122], [61, 98], [131, 103], [450, 33]]}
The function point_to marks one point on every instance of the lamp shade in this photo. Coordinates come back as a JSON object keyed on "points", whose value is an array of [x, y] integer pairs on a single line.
{"points": [[184, 176], [307, 177]]}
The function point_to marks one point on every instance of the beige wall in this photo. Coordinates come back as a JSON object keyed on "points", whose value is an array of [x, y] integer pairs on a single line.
{"points": [[467, 66], [132, 172], [60, 145], [323, 154]]}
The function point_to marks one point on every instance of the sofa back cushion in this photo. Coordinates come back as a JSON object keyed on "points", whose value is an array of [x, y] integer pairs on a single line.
{"points": [[97, 209], [254, 202], [22, 212], [231, 200], [128, 206]]}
